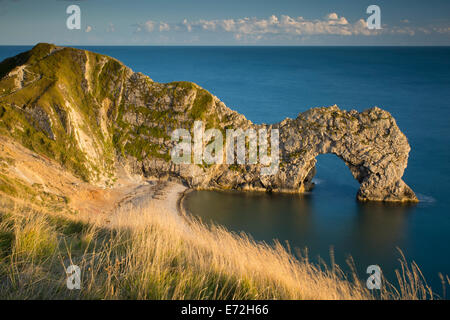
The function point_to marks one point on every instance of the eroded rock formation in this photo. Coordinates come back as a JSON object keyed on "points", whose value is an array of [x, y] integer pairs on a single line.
{"points": [[93, 114], [370, 143]]}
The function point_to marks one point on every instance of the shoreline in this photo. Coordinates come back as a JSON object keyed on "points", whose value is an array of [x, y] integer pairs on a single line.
{"points": [[165, 194], [181, 208]]}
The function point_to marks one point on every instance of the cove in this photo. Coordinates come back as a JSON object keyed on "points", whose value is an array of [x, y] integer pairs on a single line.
{"points": [[327, 217]]}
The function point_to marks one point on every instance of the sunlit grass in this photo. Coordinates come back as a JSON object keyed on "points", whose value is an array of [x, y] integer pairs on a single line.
{"points": [[149, 253]]}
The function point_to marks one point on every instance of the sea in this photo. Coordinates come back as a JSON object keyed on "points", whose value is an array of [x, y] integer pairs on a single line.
{"points": [[268, 84]]}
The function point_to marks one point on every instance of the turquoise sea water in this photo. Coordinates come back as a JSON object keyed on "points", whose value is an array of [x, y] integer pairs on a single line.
{"points": [[267, 84]]}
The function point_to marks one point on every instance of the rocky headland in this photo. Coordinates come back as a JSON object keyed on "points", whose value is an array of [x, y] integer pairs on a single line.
{"points": [[99, 120]]}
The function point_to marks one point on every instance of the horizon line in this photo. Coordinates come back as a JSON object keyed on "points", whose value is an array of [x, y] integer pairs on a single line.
{"points": [[225, 45]]}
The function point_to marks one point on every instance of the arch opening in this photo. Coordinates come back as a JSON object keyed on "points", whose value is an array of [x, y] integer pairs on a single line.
{"points": [[332, 174]]}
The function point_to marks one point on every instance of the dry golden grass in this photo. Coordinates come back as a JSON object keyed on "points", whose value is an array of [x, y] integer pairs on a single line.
{"points": [[150, 253]]}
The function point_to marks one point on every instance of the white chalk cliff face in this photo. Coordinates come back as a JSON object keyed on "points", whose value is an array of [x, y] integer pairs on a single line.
{"points": [[127, 120]]}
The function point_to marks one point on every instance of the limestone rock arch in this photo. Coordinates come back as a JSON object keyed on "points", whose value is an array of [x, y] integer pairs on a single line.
{"points": [[370, 144]]}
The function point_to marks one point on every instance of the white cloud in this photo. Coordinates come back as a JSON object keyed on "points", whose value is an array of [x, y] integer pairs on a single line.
{"points": [[441, 29], [164, 26], [282, 26], [403, 30], [208, 25], [153, 26], [187, 25], [227, 25], [332, 16], [110, 28], [149, 26], [88, 29]]}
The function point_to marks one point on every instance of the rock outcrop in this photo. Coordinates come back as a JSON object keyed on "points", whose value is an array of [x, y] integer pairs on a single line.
{"points": [[93, 114], [370, 144]]}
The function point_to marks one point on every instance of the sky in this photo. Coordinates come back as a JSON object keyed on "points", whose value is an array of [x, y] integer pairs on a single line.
{"points": [[225, 22]]}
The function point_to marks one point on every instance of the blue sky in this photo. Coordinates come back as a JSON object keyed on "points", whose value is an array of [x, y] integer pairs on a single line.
{"points": [[225, 22]]}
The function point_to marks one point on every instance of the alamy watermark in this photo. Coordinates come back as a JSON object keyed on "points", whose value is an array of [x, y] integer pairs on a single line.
{"points": [[374, 20], [374, 280], [207, 147], [74, 20], [73, 281]]}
